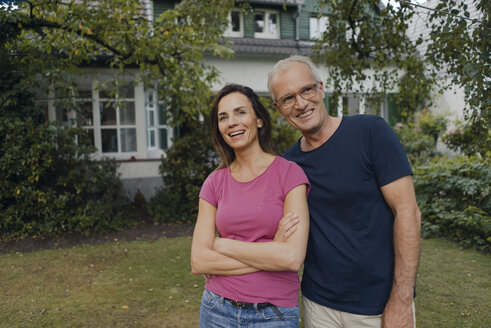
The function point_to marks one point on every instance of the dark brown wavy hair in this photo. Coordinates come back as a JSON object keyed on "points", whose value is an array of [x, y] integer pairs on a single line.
{"points": [[226, 153]]}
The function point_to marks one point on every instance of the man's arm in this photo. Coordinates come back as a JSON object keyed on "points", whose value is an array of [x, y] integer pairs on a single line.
{"points": [[401, 198]]}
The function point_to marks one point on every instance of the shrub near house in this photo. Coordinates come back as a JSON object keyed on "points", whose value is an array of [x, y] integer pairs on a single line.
{"points": [[49, 184], [453, 194], [454, 198]]}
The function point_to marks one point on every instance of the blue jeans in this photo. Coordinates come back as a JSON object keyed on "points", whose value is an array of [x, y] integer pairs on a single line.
{"points": [[217, 312]]}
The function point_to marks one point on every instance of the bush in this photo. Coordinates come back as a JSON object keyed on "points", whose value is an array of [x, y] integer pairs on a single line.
{"points": [[467, 138], [454, 198], [49, 183], [420, 136], [186, 165], [192, 158]]}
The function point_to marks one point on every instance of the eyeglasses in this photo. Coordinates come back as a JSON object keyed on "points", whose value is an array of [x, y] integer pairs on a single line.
{"points": [[288, 101]]}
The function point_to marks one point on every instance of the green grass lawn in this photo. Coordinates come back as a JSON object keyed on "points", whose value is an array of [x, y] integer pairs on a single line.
{"points": [[149, 284]]}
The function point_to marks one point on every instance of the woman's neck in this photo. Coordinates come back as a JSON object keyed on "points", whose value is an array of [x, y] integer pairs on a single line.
{"points": [[250, 164]]}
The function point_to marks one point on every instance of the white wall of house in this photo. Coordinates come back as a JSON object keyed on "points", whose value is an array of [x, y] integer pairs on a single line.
{"points": [[251, 71], [450, 103], [141, 176]]}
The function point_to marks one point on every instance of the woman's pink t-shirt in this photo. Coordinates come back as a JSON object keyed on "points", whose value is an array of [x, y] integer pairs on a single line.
{"points": [[250, 211]]}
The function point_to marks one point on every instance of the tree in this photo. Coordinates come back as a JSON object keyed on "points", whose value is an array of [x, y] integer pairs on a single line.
{"points": [[50, 183], [460, 47], [366, 49], [49, 38]]}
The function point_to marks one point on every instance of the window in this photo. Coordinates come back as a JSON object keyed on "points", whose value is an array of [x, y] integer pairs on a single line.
{"points": [[159, 134], [236, 24], [85, 117], [266, 24], [73, 105], [117, 117], [351, 105], [121, 119], [373, 105], [318, 25], [105, 110]]}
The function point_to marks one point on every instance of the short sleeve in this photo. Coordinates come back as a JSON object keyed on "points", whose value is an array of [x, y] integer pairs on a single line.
{"points": [[293, 176], [207, 192], [387, 155]]}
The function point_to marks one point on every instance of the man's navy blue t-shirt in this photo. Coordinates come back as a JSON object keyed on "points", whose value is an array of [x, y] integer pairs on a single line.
{"points": [[350, 257]]}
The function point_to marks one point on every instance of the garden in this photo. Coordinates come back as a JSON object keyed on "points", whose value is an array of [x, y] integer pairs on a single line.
{"points": [[149, 284], [106, 278], [75, 251]]}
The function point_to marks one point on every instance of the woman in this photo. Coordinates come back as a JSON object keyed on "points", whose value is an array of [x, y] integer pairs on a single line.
{"points": [[252, 278]]}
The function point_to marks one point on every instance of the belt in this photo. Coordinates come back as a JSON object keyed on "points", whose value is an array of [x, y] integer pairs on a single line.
{"points": [[260, 306]]}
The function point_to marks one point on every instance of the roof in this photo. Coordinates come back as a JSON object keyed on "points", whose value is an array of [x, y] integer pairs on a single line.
{"points": [[270, 46]]}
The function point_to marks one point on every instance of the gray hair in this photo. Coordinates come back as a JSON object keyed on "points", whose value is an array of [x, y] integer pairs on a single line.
{"points": [[283, 64]]}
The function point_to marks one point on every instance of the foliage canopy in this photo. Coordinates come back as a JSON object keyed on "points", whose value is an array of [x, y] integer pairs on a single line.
{"points": [[367, 50], [51, 183], [52, 38]]}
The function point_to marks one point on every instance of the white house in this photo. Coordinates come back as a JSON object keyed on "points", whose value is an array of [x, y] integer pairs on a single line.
{"points": [[133, 129]]}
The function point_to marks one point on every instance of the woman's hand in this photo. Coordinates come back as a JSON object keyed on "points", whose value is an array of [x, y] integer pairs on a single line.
{"points": [[286, 226]]}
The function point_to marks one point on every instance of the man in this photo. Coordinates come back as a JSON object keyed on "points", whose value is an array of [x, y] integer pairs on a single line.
{"points": [[364, 240]]}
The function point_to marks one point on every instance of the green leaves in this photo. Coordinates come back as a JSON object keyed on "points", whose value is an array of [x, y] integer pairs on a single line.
{"points": [[50, 185], [364, 39], [186, 165], [453, 196], [460, 48], [62, 37], [366, 47]]}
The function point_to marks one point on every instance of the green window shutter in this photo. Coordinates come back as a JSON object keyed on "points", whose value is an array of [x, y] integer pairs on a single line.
{"points": [[331, 105], [327, 103], [304, 25], [159, 6], [249, 25], [287, 25], [393, 111]]}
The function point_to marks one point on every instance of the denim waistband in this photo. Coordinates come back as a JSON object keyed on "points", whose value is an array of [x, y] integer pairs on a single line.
{"points": [[259, 306]]}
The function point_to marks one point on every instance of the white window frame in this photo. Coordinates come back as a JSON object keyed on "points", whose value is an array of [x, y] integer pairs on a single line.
{"points": [[362, 105], [265, 34], [229, 31], [153, 125], [98, 127], [69, 115], [318, 25]]}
